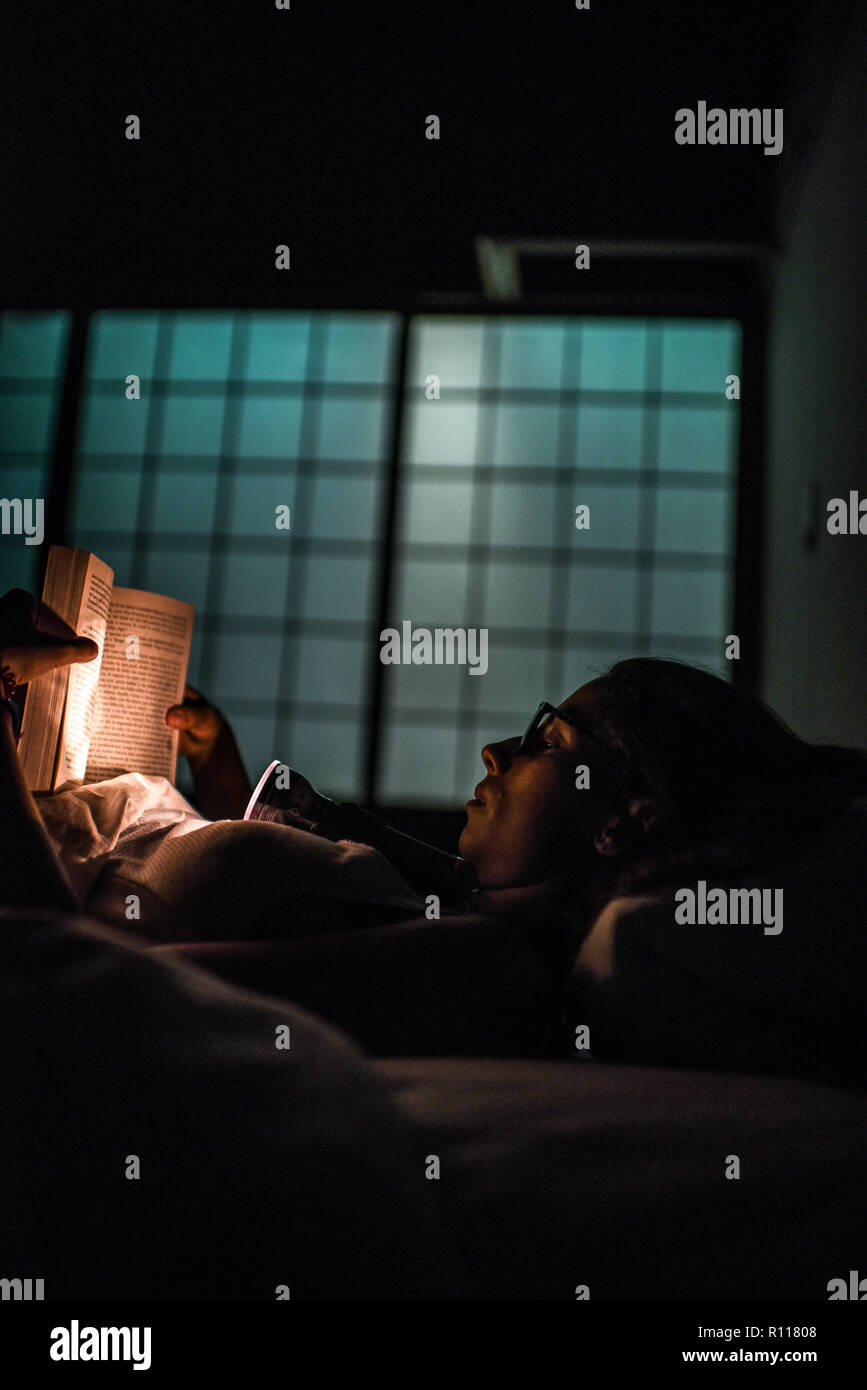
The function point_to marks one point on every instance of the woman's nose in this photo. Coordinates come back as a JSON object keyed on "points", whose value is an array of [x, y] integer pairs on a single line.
{"points": [[498, 757]]}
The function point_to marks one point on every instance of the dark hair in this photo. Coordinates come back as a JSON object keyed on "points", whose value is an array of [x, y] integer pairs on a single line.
{"points": [[736, 786]]}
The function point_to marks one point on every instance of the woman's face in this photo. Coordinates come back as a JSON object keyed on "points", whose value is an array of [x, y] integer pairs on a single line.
{"points": [[528, 820]]}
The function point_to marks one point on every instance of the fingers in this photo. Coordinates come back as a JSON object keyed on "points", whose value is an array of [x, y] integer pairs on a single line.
{"points": [[24, 620], [186, 714], [18, 608], [44, 654], [183, 717], [84, 649], [47, 621], [197, 718], [18, 611]]}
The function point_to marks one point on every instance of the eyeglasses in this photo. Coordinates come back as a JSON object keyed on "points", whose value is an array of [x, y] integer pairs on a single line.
{"points": [[530, 740]]}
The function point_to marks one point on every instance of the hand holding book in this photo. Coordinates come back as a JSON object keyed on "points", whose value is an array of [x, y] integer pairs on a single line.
{"points": [[103, 717], [206, 740], [199, 724], [29, 867], [28, 650], [33, 640]]}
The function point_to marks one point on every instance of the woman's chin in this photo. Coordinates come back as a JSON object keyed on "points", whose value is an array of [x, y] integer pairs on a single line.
{"points": [[468, 842]]}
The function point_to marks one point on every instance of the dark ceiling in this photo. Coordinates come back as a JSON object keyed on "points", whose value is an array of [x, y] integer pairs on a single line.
{"points": [[307, 127]]}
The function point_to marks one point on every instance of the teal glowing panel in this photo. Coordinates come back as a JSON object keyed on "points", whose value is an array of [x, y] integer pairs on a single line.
{"points": [[33, 350], [516, 429], [246, 473]]}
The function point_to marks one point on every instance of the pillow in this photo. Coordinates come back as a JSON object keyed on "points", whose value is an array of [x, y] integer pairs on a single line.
{"points": [[737, 995]]}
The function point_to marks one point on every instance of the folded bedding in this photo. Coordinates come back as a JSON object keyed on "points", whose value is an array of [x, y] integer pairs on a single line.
{"points": [[620, 1181], [654, 988]]}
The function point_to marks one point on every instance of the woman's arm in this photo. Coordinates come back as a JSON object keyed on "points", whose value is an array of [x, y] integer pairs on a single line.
{"points": [[222, 791], [31, 872], [222, 787], [425, 868], [285, 797]]}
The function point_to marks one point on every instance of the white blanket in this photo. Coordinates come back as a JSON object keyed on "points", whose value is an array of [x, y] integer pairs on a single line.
{"points": [[208, 880], [88, 825]]}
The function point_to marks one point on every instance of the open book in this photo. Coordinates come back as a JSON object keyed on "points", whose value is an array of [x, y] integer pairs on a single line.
{"points": [[106, 716]]}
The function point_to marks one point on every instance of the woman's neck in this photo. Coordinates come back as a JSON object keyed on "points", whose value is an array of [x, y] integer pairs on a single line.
{"points": [[523, 900]]}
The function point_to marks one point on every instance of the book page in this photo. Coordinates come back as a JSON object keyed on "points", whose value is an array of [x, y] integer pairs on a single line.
{"points": [[144, 670], [81, 691], [75, 590]]}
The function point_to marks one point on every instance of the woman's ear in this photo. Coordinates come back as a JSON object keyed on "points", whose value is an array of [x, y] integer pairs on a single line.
{"points": [[626, 828]]}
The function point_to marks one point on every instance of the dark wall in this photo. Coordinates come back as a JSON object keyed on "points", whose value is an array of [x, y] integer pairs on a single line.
{"points": [[815, 606]]}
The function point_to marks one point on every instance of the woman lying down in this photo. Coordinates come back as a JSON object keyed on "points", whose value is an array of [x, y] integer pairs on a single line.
{"points": [[657, 870]]}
